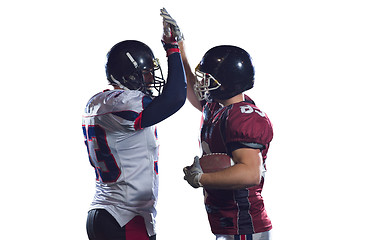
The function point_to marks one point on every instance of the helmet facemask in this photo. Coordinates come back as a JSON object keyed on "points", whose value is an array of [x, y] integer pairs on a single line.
{"points": [[155, 87], [205, 83]]}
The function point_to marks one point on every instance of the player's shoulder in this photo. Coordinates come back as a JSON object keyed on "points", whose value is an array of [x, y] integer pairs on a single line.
{"points": [[246, 120], [128, 100], [118, 100], [247, 110], [117, 95]]}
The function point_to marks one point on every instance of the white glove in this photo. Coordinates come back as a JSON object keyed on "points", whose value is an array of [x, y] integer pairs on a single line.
{"points": [[193, 173], [175, 30]]}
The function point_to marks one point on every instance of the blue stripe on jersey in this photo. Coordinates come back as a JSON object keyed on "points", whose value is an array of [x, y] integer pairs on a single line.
{"points": [[245, 237], [223, 125], [127, 115], [156, 167], [244, 217], [146, 101]]}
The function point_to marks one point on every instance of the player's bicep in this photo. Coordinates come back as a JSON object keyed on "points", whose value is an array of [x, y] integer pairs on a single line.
{"points": [[250, 157], [241, 144]]}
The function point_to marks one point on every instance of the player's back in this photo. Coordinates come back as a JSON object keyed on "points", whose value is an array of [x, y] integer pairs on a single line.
{"points": [[120, 153]]}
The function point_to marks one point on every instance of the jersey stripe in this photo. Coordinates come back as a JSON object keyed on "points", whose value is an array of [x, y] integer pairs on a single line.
{"points": [[127, 115], [138, 122]]}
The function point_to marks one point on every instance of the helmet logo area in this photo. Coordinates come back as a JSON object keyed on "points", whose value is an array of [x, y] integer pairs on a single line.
{"points": [[131, 77]]}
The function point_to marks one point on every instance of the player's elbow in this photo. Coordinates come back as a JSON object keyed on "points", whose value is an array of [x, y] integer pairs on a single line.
{"points": [[256, 180], [181, 101], [250, 180], [177, 101]]}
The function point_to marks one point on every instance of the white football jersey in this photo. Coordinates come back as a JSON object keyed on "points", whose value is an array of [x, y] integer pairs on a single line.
{"points": [[125, 157]]}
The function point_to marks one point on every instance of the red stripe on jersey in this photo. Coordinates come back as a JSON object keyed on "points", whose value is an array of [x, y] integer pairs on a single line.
{"points": [[240, 237], [138, 122]]}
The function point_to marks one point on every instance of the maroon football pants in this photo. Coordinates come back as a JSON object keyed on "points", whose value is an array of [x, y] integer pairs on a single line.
{"points": [[101, 225]]}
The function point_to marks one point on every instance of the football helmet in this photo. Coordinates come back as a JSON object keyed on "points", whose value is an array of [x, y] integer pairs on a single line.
{"points": [[223, 72], [132, 65]]}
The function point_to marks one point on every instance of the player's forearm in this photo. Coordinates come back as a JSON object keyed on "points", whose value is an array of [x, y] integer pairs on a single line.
{"points": [[190, 77], [175, 88], [236, 177], [173, 95]]}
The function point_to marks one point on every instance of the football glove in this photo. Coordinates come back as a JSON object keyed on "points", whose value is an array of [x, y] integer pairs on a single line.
{"points": [[175, 30], [193, 173], [168, 41]]}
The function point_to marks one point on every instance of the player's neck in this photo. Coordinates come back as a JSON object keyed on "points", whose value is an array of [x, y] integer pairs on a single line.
{"points": [[232, 100]]}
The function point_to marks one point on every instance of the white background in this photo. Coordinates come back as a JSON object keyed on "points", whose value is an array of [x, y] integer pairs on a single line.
{"points": [[309, 59]]}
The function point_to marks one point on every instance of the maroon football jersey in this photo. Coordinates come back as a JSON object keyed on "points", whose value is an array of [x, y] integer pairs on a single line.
{"points": [[223, 130]]}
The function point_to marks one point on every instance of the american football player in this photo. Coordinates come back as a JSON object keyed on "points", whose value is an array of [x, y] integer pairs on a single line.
{"points": [[234, 125], [121, 138]]}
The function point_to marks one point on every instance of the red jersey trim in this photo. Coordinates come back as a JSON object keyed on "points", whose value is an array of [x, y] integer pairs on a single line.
{"points": [[138, 122]]}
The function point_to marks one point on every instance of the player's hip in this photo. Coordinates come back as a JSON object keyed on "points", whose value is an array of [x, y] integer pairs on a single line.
{"points": [[102, 225]]}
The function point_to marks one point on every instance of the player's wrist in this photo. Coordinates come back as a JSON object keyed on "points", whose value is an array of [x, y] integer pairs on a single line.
{"points": [[198, 180], [170, 47]]}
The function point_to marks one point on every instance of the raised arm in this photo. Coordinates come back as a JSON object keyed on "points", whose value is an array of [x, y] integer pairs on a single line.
{"points": [[173, 95], [190, 76]]}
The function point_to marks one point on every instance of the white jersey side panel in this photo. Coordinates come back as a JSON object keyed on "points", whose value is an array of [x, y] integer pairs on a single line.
{"points": [[125, 159]]}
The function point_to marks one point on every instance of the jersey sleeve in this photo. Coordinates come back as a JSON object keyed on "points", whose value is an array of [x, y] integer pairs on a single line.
{"points": [[247, 126]]}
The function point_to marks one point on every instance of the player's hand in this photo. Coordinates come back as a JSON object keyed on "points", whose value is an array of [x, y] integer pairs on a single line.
{"points": [[175, 30], [168, 39], [193, 173], [167, 36]]}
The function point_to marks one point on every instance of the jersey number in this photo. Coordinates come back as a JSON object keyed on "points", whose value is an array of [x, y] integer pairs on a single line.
{"points": [[249, 109], [101, 159]]}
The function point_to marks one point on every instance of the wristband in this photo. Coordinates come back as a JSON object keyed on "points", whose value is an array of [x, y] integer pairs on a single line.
{"points": [[170, 48], [171, 51]]}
